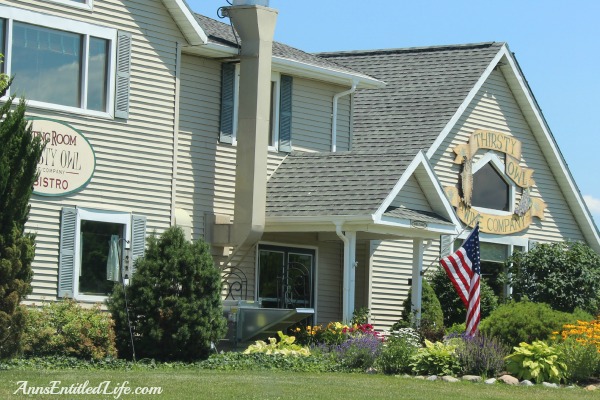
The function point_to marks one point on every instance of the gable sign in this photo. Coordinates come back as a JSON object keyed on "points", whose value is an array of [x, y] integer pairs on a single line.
{"points": [[527, 208], [68, 161]]}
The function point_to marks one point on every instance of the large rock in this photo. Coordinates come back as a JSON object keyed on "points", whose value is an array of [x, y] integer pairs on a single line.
{"points": [[591, 387], [509, 380], [549, 385], [432, 378], [490, 381], [448, 378], [472, 378], [526, 383]]}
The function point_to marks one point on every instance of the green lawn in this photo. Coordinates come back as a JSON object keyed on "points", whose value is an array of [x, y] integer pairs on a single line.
{"points": [[242, 385]]}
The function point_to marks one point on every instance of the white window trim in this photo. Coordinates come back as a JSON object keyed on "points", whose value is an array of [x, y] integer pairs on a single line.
{"points": [[98, 216], [275, 77], [498, 165], [11, 14], [87, 5]]}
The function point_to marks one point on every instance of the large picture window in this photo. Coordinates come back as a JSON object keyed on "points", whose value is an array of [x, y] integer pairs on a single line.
{"points": [[59, 63]]}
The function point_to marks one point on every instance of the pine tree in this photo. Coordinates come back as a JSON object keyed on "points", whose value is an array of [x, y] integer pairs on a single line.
{"points": [[174, 301], [19, 156]]}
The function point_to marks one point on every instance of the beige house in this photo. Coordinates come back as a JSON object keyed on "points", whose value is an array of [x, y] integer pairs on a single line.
{"points": [[322, 182]]}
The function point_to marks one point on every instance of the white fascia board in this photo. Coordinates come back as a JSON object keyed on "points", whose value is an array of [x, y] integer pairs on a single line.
{"points": [[419, 160], [564, 173], [185, 20], [293, 67], [407, 223], [459, 112]]}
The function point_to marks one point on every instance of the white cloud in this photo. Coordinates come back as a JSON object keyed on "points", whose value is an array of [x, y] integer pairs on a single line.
{"points": [[594, 205]]}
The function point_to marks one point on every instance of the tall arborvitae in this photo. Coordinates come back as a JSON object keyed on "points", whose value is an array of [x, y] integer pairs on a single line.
{"points": [[19, 156]]}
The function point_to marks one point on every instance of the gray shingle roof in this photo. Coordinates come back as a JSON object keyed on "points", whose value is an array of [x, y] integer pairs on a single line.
{"points": [[419, 215], [425, 87], [221, 33], [344, 183]]}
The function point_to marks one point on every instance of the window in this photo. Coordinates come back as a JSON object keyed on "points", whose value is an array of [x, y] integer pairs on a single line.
{"points": [[280, 112], [97, 250], [67, 70], [490, 190], [493, 191]]}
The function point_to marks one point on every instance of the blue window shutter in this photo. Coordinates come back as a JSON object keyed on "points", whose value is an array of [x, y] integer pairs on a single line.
{"points": [[122, 88], [227, 102], [66, 257], [285, 114], [138, 239]]}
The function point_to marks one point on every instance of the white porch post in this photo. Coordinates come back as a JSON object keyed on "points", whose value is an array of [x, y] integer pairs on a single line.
{"points": [[348, 279], [351, 275], [417, 279]]}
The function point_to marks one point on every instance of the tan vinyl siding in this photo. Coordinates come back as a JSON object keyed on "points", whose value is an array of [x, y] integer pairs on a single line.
{"points": [[494, 107], [312, 116], [411, 196], [391, 269], [134, 157]]}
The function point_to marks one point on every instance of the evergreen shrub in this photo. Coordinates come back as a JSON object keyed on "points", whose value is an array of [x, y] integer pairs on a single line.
{"points": [[20, 152], [453, 308], [431, 326], [526, 321], [174, 300]]}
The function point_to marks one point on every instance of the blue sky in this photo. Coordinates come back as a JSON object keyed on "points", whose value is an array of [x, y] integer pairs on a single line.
{"points": [[557, 44]]}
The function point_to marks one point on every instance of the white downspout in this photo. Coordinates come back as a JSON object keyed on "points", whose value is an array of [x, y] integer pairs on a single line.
{"points": [[336, 97], [349, 239]]}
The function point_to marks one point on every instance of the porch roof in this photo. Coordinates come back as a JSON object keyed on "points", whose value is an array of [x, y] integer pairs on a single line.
{"points": [[317, 191]]}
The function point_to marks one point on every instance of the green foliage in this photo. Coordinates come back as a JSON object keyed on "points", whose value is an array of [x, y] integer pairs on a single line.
{"points": [[456, 329], [452, 306], [582, 359], [315, 362], [525, 321], [65, 328], [284, 346], [174, 301], [396, 354], [436, 358], [19, 156], [536, 362], [563, 275], [360, 316], [431, 326]]}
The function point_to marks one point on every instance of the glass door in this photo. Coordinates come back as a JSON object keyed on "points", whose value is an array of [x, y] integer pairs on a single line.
{"points": [[286, 277]]}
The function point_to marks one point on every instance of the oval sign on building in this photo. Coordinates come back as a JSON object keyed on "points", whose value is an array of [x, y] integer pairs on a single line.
{"points": [[68, 160]]}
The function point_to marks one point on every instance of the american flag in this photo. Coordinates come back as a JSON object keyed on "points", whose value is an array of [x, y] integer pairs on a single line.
{"points": [[464, 270]]}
